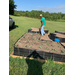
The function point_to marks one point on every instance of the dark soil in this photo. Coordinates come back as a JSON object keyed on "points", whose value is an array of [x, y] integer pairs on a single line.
{"points": [[31, 41]]}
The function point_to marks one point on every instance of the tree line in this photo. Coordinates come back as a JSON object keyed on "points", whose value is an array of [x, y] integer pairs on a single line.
{"points": [[12, 6], [35, 14]]}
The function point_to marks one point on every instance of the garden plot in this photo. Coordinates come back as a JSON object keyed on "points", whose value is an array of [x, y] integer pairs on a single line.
{"points": [[31, 45]]}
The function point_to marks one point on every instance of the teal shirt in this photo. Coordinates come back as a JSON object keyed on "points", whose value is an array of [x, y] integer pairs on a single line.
{"points": [[43, 19]]}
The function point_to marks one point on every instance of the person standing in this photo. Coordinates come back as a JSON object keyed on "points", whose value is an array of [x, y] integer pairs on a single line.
{"points": [[43, 23]]}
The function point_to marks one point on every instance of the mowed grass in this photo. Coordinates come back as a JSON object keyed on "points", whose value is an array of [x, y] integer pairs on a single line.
{"points": [[23, 66]]}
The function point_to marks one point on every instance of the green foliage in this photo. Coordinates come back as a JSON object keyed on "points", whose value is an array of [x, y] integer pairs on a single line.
{"points": [[11, 7], [25, 46], [32, 34], [38, 40], [53, 49], [23, 66], [16, 45], [40, 47], [47, 15], [30, 46], [33, 42], [27, 40], [47, 48], [62, 51], [59, 46]]}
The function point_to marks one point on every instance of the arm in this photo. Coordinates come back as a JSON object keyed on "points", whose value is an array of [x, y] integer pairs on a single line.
{"points": [[41, 24]]}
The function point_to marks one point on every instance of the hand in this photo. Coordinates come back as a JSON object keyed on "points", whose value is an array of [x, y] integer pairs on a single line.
{"points": [[40, 27]]}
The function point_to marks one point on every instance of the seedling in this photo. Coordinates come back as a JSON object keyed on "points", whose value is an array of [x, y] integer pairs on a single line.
{"points": [[34, 42], [16, 45], [25, 46], [53, 49], [40, 47], [27, 40], [42, 43], [18, 41], [32, 34], [32, 39], [23, 36], [47, 43], [52, 42], [62, 51], [37, 37], [38, 40], [30, 28], [30, 46], [59, 46], [47, 48], [52, 45]]}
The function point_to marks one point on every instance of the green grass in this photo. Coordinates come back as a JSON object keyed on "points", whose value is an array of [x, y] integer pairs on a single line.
{"points": [[19, 66], [23, 66]]}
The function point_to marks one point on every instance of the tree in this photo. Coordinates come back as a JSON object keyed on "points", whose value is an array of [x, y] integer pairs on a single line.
{"points": [[11, 7]]}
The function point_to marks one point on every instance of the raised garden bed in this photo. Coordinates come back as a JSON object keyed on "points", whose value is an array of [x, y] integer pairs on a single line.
{"points": [[29, 45]]}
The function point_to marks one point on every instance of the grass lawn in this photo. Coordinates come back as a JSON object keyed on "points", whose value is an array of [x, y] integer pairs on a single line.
{"points": [[19, 66]]}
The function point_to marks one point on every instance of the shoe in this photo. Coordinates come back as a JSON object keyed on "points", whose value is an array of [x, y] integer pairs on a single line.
{"points": [[44, 34]]}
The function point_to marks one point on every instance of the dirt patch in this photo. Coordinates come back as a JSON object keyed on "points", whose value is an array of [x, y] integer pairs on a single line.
{"points": [[32, 41]]}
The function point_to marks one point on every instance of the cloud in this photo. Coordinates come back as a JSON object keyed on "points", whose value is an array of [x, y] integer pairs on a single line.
{"points": [[56, 9]]}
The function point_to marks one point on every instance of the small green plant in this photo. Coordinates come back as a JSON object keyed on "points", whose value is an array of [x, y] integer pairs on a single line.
{"points": [[23, 36], [27, 40], [18, 41], [59, 46], [40, 47], [32, 38], [37, 37], [30, 46], [51, 45], [47, 43], [47, 48], [53, 49], [25, 46], [16, 45], [38, 40], [30, 28], [32, 34], [33, 42], [62, 51], [42, 43], [52, 42]]}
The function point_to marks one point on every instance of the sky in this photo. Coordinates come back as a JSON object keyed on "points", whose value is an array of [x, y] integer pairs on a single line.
{"points": [[44, 5]]}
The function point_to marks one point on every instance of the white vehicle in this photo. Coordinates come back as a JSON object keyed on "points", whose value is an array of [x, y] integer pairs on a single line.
{"points": [[11, 22]]}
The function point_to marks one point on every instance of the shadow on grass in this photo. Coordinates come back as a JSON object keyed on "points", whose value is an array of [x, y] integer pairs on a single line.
{"points": [[34, 67], [15, 26]]}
